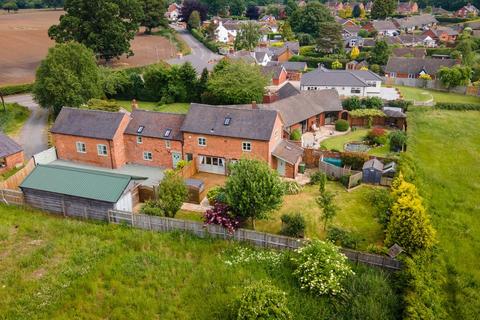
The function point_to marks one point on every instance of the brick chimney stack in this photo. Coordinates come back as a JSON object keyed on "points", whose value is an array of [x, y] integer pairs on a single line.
{"points": [[134, 104]]}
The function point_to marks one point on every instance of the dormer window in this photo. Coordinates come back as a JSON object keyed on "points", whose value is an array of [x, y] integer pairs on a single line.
{"points": [[167, 133]]}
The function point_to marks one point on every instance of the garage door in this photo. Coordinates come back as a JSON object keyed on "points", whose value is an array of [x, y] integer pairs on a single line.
{"points": [[211, 164]]}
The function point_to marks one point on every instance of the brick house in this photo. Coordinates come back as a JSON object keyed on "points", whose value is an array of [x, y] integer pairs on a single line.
{"points": [[466, 11], [11, 154], [215, 136], [414, 67], [90, 136], [276, 74], [407, 8], [154, 139], [442, 34]]}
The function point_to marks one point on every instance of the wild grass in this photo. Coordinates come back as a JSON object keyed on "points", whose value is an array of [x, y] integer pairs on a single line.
{"points": [[12, 120], [55, 268], [154, 106], [445, 147], [421, 94]]}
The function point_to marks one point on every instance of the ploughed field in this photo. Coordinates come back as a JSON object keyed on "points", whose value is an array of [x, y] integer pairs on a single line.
{"points": [[25, 42]]}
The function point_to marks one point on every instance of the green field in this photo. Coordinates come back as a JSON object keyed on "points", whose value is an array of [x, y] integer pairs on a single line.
{"points": [[55, 268], [420, 94], [154, 106], [445, 146], [12, 120]]}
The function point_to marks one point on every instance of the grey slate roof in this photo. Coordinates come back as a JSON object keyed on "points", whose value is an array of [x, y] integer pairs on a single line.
{"points": [[416, 65], [373, 163], [87, 123], [8, 146], [346, 78], [384, 25], [297, 108], [287, 90], [415, 52], [156, 124], [295, 66], [288, 152], [247, 123], [416, 21], [272, 71], [393, 112]]}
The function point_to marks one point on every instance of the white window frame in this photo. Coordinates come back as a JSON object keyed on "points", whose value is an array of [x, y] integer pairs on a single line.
{"points": [[246, 146], [81, 147], [139, 139], [168, 144], [204, 144], [147, 156], [101, 148], [393, 74]]}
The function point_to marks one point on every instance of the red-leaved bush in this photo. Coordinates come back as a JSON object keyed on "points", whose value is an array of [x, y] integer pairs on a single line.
{"points": [[220, 214], [377, 136]]}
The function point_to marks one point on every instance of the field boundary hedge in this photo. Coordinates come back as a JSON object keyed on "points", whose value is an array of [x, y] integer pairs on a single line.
{"points": [[457, 106], [16, 89]]}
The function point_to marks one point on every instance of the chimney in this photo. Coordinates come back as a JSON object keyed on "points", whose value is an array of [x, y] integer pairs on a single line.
{"points": [[134, 104], [254, 105]]}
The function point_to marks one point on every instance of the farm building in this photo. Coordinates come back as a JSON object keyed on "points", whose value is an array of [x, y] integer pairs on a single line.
{"points": [[11, 154], [66, 189], [372, 171]]}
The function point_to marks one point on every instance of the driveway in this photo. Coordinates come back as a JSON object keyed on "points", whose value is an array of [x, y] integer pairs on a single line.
{"points": [[200, 57], [33, 135]]}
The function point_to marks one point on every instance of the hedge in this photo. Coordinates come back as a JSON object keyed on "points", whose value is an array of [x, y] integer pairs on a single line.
{"points": [[209, 44], [457, 106], [16, 89], [452, 19], [313, 62], [444, 51]]}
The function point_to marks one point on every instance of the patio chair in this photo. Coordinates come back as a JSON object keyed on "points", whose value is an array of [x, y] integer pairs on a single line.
{"points": [[315, 128]]}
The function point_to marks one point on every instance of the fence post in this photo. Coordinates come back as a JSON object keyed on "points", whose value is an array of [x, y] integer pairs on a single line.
{"points": [[63, 207], [85, 213], [108, 216]]}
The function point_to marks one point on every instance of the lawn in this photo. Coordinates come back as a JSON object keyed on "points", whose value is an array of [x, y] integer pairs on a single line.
{"points": [[420, 94], [337, 143], [445, 146], [55, 268], [12, 120], [154, 106]]}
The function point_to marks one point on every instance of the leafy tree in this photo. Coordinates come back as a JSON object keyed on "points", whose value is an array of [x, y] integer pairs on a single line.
{"points": [[354, 53], [409, 225], [336, 65], [455, 76], [9, 6], [287, 33], [382, 9], [235, 83], [156, 80], [68, 76], [465, 46], [398, 139], [253, 13], [253, 189], [352, 103], [202, 83], [273, 10], [248, 36], [262, 300], [357, 11], [290, 7], [153, 14], [187, 76], [363, 33], [188, 6], [172, 192], [330, 37], [54, 3], [307, 19], [380, 53], [105, 26], [237, 7], [329, 209], [194, 20]]}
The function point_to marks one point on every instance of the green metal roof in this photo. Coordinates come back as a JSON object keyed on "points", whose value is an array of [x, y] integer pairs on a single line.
{"points": [[84, 183]]}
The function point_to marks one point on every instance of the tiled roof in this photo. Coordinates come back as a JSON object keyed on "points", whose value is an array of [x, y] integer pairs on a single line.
{"points": [[156, 124], [8, 146], [416, 65], [288, 152]]}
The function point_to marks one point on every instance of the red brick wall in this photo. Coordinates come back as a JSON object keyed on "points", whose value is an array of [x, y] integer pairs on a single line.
{"points": [[284, 57], [281, 79], [294, 75], [162, 157], [12, 161], [290, 170]]}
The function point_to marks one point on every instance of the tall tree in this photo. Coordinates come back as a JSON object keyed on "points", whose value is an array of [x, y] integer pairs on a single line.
{"points": [[237, 7], [9, 6], [357, 11], [326, 204], [194, 20], [153, 14], [455, 76], [54, 3], [307, 19], [202, 84], [105, 26], [382, 9], [253, 13], [69, 76], [287, 33], [248, 36], [253, 189], [235, 83], [189, 6], [330, 37], [380, 53], [290, 7]]}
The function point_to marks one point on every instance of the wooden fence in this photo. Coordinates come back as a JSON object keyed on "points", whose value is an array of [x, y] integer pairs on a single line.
{"points": [[334, 171], [189, 170], [162, 224], [14, 181], [355, 179], [386, 181]]}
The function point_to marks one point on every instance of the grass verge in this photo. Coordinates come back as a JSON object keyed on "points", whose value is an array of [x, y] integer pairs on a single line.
{"points": [[420, 94], [12, 120]]}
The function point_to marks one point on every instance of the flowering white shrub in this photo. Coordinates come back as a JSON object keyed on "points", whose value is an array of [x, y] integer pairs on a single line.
{"points": [[245, 255], [321, 268]]}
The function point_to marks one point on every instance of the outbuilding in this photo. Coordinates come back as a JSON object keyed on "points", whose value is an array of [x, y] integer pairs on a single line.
{"points": [[11, 154], [372, 171], [74, 191]]}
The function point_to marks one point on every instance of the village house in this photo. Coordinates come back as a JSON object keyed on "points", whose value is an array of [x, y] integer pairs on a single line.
{"points": [[354, 41], [422, 22], [467, 11], [294, 69], [412, 68], [11, 154], [90, 136], [355, 65], [407, 8], [415, 40], [382, 27], [276, 74], [350, 31], [227, 32], [173, 12], [442, 34], [348, 83]]}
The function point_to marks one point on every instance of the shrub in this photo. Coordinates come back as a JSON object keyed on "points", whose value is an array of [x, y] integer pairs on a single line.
{"points": [[457, 106], [381, 201], [212, 46], [398, 139], [372, 103], [342, 237], [293, 225], [317, 177], [352, 103], [291, 187], [354, 159], [221, 214], [344, 180], [181, 164], [341, 125], [321, 268], [172, 191], [296, 135], [216, 194], [152, 208], [103, 105], [261, 300], [377, 136]]}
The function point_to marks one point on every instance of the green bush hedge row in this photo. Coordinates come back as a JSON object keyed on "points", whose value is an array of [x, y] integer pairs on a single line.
{"points": [[16, 89], [209, 44], [452, 19], [458, 106]]}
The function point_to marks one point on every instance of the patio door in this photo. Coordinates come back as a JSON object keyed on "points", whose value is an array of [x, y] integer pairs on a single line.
{"points": [[176, 157], [281, 167], [211, 164]]}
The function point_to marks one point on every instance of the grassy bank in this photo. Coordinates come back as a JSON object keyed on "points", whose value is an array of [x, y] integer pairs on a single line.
{"points": [[12, 120], [55, 268], [175, 38], [153, 106], [420, 94], [445, 147]]}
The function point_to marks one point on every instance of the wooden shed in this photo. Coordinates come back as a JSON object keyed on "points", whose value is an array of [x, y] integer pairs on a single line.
{"points": [[69, 190], [372, 171]]}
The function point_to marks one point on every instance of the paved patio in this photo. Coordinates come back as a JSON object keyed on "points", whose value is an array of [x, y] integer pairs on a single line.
{"points": [[313, 139], [389, 93]]}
